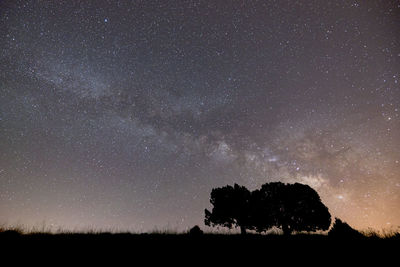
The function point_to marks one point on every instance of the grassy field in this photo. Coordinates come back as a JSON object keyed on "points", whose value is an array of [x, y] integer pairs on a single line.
{"points": [[189, 249], [161, 236]]}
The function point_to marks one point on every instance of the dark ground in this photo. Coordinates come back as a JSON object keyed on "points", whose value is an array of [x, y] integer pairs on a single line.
{"points": [[193, 249]]}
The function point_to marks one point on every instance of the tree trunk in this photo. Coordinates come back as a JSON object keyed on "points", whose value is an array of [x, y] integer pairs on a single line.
{"points": [[242, 230], [286, 230]]}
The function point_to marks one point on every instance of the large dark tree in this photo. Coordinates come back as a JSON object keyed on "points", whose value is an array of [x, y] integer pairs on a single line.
{"points": [[291, 207], [231, 206]]}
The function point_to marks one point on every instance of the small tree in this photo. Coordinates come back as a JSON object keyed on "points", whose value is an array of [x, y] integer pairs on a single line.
{"points": [[231, 206], [341, 229]]}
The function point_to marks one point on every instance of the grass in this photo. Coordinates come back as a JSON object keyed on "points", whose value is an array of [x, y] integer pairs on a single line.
{"points": [[23, 231], [164, 244], [170, 246], [389, 233], [45, 231]]}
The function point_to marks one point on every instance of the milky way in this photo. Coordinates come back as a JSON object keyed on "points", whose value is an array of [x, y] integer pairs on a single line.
{"points": [[125, 114]]}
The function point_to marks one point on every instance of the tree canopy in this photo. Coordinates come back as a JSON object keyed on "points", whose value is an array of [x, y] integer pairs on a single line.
{"points": [[231, 207], [291, 207]]}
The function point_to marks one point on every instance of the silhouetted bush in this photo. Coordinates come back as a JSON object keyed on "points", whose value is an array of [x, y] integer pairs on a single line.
{"points": [[292, 207], [341, 229], [10, 234], [195, 231]]}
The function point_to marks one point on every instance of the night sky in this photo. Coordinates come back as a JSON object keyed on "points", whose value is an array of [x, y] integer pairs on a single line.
{"points": [[125, 114]]}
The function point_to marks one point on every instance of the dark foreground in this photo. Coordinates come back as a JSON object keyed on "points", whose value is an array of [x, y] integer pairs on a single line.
{"points": [[202, 248], [212, 241]]}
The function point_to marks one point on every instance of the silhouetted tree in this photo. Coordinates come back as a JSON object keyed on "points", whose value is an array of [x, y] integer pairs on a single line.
{"points": [[230, 207], [292, 207]]}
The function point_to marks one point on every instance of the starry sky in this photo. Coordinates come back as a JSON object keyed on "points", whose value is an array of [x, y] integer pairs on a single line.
{"points": [[125, 114]]}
